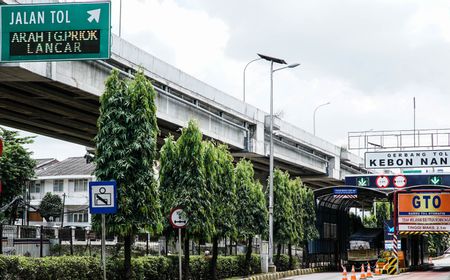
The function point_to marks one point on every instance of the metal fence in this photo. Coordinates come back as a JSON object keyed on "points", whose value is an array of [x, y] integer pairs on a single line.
{"points": [[40, 241]]}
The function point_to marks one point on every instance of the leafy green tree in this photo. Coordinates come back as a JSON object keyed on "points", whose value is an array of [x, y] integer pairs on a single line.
{"points": [[370, 221], [126, 150], [437, 244], [251, 208], [283, 210], [219, 174], [16, 165], [168, 187], [382, 212], [297, 236], [185, 177], [309, 219], [376, 220], [50, 206]]}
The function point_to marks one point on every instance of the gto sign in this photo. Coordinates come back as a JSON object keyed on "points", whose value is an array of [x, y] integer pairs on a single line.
{"points": [[407, 159], [424, 211]]}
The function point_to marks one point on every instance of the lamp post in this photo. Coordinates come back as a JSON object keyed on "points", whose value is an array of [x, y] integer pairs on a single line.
{"points": [[314, 116], [256, 59], [272, 61]]}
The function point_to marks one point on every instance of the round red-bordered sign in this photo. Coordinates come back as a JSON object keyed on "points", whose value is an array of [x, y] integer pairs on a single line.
{"points": [[400, 181], [382, 181], [176, 218]]}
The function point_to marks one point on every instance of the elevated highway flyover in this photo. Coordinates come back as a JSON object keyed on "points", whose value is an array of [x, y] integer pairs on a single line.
{"points": [[61, 100]]}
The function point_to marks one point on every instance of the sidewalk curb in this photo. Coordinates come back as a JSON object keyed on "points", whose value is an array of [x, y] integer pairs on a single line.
{"points": [[283, 274]]}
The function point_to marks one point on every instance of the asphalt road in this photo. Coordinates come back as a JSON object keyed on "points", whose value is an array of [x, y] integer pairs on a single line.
{"points": [[437, 274]]}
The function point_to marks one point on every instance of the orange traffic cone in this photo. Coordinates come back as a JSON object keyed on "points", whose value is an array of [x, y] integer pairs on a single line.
{"points": [[377, 270], [344, 273], [369, 271], [363, 273], [353, 276]]}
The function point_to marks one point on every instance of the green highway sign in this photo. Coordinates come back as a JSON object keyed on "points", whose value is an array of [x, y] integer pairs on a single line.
{"points": [[49, 32], [362, 181], [435, 180]]}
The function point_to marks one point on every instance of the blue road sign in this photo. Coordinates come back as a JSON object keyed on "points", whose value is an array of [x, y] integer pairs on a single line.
{"points": [[345, 191], [103, 197], [398, 181]]}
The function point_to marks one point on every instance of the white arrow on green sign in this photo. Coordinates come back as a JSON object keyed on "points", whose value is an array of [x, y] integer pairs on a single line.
{"points": [[362, 182], [435, 180], [48, 32]]}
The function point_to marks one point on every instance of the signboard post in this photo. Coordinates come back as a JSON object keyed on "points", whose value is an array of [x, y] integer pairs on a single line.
{"points": [[103, 200], [178, 220], [48, 32]]}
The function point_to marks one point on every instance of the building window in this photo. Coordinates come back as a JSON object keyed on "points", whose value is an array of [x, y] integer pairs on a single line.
{"points": [[81, 217], [80, 185], [58, 185], [36, 186]]}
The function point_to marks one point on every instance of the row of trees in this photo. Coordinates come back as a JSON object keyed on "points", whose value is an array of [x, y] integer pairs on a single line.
{"points": [[221, 199], [294, 213]]}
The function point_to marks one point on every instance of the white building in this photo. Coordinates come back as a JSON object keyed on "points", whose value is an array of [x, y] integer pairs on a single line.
{"points": [[69, 179]]}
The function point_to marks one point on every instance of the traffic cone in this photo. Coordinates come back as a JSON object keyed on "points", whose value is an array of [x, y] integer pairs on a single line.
{"points": [[353, 276], [344, 274], [369, 271], [363, 273], [377, 270]]}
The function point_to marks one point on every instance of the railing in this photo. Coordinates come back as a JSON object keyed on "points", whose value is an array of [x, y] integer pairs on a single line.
{"points": [[398, 139]]}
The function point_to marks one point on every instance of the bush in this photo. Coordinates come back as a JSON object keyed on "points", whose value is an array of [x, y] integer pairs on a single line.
{"points": [[147, 267], [282, 263], [69, 268]]}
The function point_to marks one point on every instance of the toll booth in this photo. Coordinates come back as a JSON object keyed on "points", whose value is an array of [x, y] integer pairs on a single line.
{"points": [[335, 221], [418, 202]]}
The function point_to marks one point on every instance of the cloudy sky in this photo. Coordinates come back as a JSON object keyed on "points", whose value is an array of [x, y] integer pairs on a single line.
{"points": [[367, 58]]}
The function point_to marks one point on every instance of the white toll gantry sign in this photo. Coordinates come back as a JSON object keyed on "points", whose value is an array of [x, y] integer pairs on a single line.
{"points": [[178, 220], [103, 200]]}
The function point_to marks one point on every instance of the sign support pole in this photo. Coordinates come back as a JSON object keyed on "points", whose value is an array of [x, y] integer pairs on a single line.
{"points": [[395, 245], [103, 200], [179, 254], [103, 247], [178, 220]]}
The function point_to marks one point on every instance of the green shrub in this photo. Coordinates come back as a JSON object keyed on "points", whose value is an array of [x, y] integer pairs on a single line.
{"points": [[69, 268], [147, 267], [282, 263]]}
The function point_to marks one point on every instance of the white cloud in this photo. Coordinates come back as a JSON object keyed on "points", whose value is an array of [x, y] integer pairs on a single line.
{"points": [[368, 58]]}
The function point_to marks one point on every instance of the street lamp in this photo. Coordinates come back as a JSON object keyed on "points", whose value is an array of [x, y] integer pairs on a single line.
{"points": [[256, 59], [272, 61], [314, 116]]}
